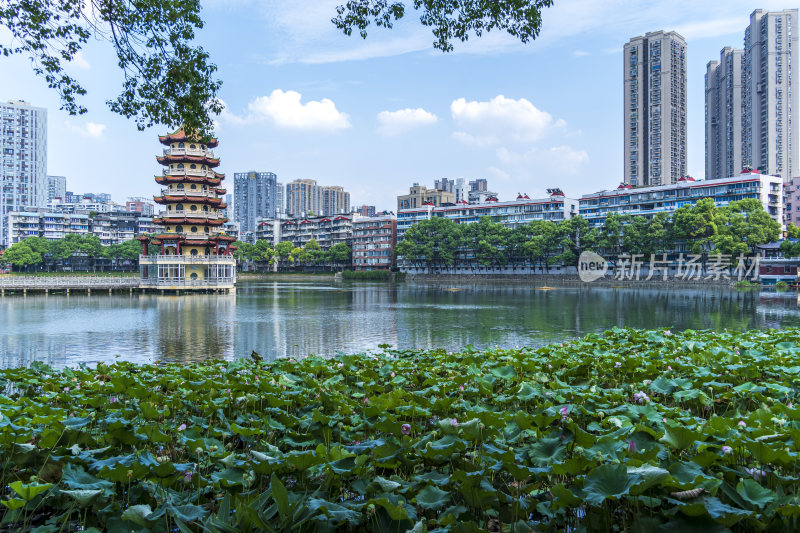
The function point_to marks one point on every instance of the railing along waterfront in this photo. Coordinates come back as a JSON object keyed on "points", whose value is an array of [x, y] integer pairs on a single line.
{"points": [[68, 282]]}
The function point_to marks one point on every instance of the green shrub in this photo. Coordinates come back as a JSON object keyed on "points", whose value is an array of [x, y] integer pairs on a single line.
{"points": [[746, 284], [781, 286]]}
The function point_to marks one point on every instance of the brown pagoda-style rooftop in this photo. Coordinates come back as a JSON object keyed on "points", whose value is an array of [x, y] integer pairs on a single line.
{"points": [[180, 136]]}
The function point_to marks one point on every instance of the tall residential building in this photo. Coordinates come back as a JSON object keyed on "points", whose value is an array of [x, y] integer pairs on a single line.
{"points": [[445, 184], [280, 198], [752, 101], [304, 196], [254, 197], [56, 187], [335, 201], [770, 89], [479, 185], [23, 167], [655, 108], [724, 114], [460, 190]]}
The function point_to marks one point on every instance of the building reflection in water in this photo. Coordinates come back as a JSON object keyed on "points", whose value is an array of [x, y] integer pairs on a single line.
{"points": [[299, 319], [193, 327], [294, 319]]}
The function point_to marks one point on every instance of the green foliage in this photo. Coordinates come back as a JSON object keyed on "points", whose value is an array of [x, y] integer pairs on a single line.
{"points": [[746, 284], [449, 20], [628, 427], [370, 275], [22, 254], [781, 286], [706, 229], [167, 80]]}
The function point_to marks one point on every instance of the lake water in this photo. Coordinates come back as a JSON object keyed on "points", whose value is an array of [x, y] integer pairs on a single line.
{"points": [[295, 318]]}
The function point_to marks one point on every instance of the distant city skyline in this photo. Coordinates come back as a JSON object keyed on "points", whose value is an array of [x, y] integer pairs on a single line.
{"points": [[388, 110]]}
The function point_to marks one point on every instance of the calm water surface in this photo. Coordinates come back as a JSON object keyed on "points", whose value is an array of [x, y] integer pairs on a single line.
{"points": [[293, 318]]}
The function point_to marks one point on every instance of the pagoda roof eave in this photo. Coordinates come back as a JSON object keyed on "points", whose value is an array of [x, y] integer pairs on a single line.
{"points": [[167, 159], [180, 135]]}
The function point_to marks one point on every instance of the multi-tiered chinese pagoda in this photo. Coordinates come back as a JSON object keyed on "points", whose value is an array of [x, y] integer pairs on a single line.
{"points": [[194, 254]]}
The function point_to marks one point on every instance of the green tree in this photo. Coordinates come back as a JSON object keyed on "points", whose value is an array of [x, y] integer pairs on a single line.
{"points": [[283, 251], [574, 237], [543, 244], [489, 241], [167, 79], [244, 251], [449, 20], [433, 243], [792, 231], [696, 225], [263, 253], [646, 236], [22, 255], [340, 255], [742, 226]]}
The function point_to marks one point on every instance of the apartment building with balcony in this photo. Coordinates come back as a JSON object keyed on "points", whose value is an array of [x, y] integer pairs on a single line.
{"points": [[520, 211], [23, 160], [374, 239], [110, 228], [326, 230], [654, 110], [648, 201]]}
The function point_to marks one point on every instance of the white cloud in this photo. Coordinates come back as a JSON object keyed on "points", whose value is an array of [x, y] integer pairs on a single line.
{"points": [[536, 162], [286, 110], [78, 61], [90, 129], [581, 53], [487, 122], [403, 120]]}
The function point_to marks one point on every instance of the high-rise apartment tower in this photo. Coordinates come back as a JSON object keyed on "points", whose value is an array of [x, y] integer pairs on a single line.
{"points": [[655, 108]]}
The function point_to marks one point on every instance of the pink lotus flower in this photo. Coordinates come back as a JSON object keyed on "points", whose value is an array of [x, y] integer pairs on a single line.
{"points": [[187, 477], [392, 374], [461, 387], [405, 429], [113, 399], [564, 411], [366, 400], [454, 422], [669, 367], [631, 447], [617, 364], [726, 450], [742, 424], [549, 365], [66, 389], [181, 427]]}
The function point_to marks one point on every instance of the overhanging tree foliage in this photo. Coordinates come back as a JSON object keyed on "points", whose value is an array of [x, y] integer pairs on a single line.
{"points": [[166, 78], [449, 20]]}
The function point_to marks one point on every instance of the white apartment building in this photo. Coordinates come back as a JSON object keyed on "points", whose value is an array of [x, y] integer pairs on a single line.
{"points": [[56, 188], [648, 201], [655, 108], [23, 159], [512, 213]]}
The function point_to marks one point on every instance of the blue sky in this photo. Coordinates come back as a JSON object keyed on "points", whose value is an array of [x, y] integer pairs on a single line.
{"points": [[375, 115]]}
